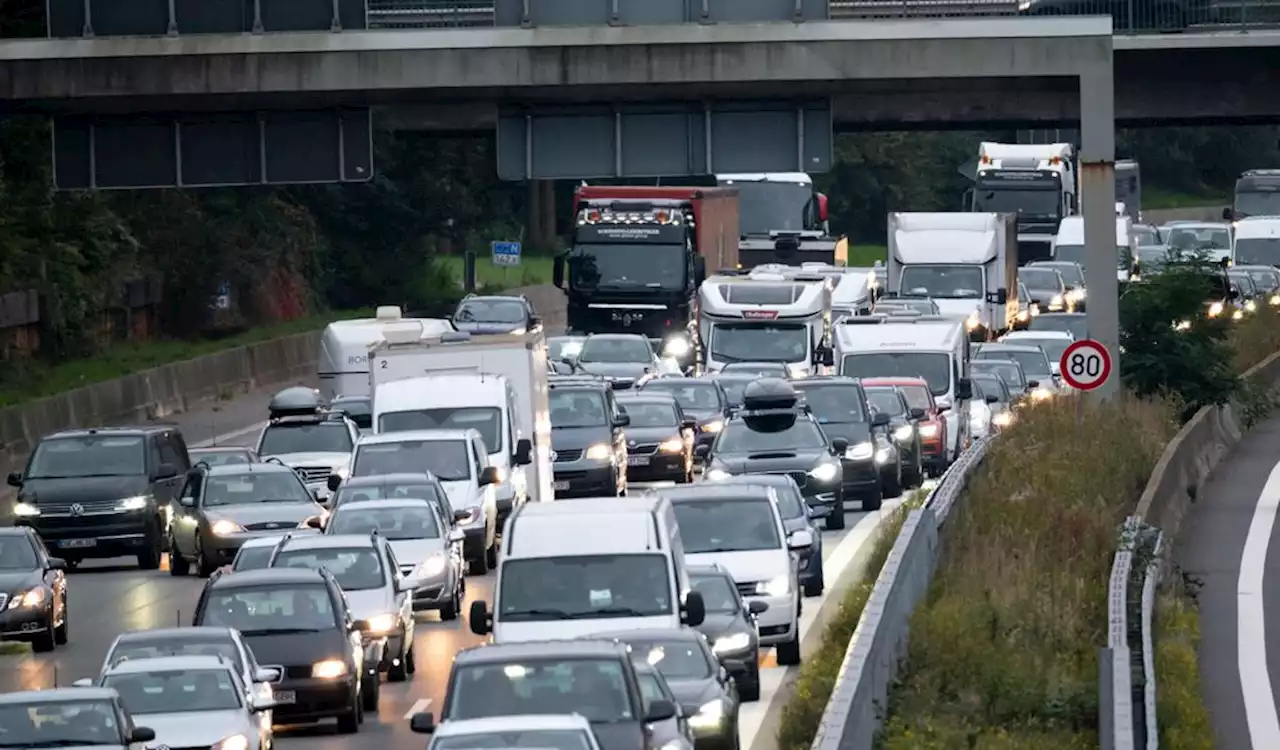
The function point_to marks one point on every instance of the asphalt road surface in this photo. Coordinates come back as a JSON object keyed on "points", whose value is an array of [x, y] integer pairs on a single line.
{"points": [[109, 597]]}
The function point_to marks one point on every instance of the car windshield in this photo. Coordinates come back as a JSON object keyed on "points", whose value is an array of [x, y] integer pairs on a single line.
{"points": [[718, 593], [1052, 347], [727, 525], [491, 311], [1010, 372], [1075, 324], [1265, 280], [765, 207], [174, 691], [486, 420], [1077, 254], [1040, 278], [1070, 272], [835, 404], [627, 265], [584, 587], [252, 558], [543, 739], [1263, 251], [1198, 238], [448, 460], [356, 568], [224, 457], [1033, 363], [740, 437], [614, 350], [429, 492], [252, 488], [886, 401], [760, 342], [1020, 199], [790, 502], [322, 437], [16, 553], [692, 395], [407, 522], [942, 282], [917, 396], [563, 346], [595, 689], [88, 456], [359, 410], [734, 386], [651, 686], [674, 660], [259, 610], [156, 647], [68, 723], [650, 415], [934, 368], [577, 408], [992, 385], [1258, 202]]}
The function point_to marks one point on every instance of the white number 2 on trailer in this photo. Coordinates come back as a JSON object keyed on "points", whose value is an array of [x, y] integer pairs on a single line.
{"points": [[1085, 365]]}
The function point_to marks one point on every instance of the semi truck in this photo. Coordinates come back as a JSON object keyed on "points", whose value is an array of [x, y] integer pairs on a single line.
{"points": [[1257, 194], [639, 254], [1036, 182], [784, 220], [966, 262]]}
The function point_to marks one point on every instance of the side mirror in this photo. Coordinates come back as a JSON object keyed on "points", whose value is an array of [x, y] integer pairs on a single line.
{"points": [[15, 479], [57, 563], [524, 452], [800, 540], [695, 609], [82, 682], [916, 413], [688, 423], [1228, 214], [660, 710], [266, 674], [990, 398], [944, 408], [423, 722], [166, 471], [1033, 384], [839, 445], [262, 703], [314, 522], [461, 515], [828, 358], [359, 626], [964, 389], [488, 476], [880, 420], [570, 360], [480, 620], [702, 451], [408, 583], [142, 734], [535, 321], [557, 274], [456, 535], [757, 607], [187, 502], [622, 420], [334, 482]]}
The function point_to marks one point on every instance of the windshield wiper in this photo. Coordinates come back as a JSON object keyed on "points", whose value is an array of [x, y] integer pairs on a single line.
{"points": [[707, 550], [558, 614], [281, 631], [608, 612]]}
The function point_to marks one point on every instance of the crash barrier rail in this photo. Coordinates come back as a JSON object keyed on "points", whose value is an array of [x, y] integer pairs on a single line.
{"points": [[1128, 16], [879, 644], [1127, 681]]}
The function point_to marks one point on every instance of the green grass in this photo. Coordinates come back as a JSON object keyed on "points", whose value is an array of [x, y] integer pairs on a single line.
{"points": [[1156, 199], [38, 381], [8, 648], [865, 255], [532, 270]]}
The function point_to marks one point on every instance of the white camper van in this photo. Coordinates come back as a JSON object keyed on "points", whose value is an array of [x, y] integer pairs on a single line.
{"points": [[343, 364]]}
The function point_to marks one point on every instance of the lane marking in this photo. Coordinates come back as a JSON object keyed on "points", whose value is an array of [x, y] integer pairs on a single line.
{"points": [[421, 705], [1251, 631], [226, 436]]}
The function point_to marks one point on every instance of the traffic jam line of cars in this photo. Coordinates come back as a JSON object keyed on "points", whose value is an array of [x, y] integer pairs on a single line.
{"points": [[622, 616]]}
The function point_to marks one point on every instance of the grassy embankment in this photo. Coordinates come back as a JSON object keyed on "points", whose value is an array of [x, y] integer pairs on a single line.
{"points": [[1003, 653], [532, 270], [1157, 199]]}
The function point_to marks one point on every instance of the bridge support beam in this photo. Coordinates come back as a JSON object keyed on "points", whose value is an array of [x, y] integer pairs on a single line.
{"points": [[1098, 203]]}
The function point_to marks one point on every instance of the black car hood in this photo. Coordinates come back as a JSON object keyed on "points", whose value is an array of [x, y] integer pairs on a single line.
{"points": [[578, 438], [1037, 293], [489, 328], [297, 649], [81, 489], [619, 735], [761, 462], [635, 370], [704, 415], [13, 581], [691, 694], [716, 624], [854, 432], [649, 435]]}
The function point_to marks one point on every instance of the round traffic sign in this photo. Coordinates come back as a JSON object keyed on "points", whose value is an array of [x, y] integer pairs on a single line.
{"points": [[1085, 365]]}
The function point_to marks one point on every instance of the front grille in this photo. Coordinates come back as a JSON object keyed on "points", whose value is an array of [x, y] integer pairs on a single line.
{"points": [[642, 450], [566, 456], [270, 526], [800, 477], [314, 473], [747, 589], [769, 630], [83, 507]]}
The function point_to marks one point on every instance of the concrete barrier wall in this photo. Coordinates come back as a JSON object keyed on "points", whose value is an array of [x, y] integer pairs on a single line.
{"points": [[1190, 213]]}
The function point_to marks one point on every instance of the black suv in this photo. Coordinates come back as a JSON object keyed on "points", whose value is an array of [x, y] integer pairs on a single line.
{"points": [[100, 493], [297, 622], [588, 447]]}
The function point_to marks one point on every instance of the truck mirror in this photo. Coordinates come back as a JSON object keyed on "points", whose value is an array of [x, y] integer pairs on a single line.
{"points": [[967, 200], [828, 357], [699, 269], [1228, 214], [822, 207], [557, 272]]}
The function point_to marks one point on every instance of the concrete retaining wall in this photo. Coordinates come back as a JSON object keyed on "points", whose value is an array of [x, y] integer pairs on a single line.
{"points": [[1159, 216]]}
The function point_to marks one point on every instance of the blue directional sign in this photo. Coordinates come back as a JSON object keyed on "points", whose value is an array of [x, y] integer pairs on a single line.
{"points": [[506, 253]]}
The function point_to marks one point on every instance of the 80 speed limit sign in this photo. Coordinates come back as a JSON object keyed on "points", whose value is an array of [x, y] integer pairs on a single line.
{"points": [[1085, 365]]}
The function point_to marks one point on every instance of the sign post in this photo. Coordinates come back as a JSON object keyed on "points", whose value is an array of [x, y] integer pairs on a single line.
{"points": [[1085, 366]]}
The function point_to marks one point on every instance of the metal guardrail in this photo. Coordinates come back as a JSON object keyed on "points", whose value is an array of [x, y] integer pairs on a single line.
{"points": [[1128, 16], [1127, 678]]}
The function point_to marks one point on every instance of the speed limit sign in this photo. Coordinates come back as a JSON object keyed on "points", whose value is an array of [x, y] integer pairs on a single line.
{"points": [[1085, 365]]}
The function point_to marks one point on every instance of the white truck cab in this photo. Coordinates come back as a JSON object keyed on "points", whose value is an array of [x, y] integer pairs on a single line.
{"points": [[1069, 244]]}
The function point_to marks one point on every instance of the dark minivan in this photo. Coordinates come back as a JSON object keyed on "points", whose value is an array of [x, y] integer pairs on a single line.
{"points": [[103, 492]]}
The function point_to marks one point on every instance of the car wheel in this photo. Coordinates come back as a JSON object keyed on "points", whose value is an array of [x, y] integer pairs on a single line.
{"points": [[370, 692], [872, 500], [815, 585], [44, 642], [449, 612], [478, 566], [204, 568], [749, 690], [61, 632], [178, 565], [349, 723], [410, 663], [399, 673], [491, 555], [150, 558], [789, 653], [893, 487]]}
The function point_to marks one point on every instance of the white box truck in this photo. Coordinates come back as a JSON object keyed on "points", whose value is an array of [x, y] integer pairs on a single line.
{"points": [[404, 353], [966, 262]]}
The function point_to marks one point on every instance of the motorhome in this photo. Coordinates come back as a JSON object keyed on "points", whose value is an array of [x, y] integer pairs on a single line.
{"points": [[966, 262], [1069, 245], [931, 347], [521, 359], [343, 362], [1035, 181], [775, 314]]}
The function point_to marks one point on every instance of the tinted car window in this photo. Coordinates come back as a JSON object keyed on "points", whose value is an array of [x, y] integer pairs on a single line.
{"points": [[88, 456], [16, 553], [262, 609], [577, 408], [390, 523], [726, 525], [718, 595], [593, 688], [238, 489], [650, 415], [356, 569], [175, 691], [153, 648], [690, 394], [448, 460]]}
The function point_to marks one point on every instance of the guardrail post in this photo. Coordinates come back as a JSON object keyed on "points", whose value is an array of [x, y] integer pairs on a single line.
{"points": [[87, 30], [526, 15], [335, 21], [173, 20]]}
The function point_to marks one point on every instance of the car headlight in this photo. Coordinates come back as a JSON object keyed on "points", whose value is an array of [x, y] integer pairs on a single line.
{"points": [[929, 430], [1056, 301], [1275, 299], [1182, 325], [797, 371], [137, 502], [904, 434], [860, 452], [709, 715], [1041, 394], [824, 472], [1250, 305], [1003, 419], [25, 510], [381, 624], [234, 742], [1215, 309], [329, 669], [883, 456], [434, 565], [717, 474], [1076, 295], [29, 599], [1237, 315], [225, 528], [1034, 311], [599, 452], [674, 445], [728, 644], [973, 321], [713, 426], [1024, 316], [676, 346], [473, 515], [779, 586]]}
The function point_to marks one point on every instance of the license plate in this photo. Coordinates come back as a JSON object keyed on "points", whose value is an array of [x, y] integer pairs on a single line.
{"points": [[284, 696], [560, 485], [78, 543], [637, 460]]}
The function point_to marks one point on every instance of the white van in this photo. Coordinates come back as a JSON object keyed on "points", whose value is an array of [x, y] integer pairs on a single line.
{"points": [[578, 567], [343, 362], [1069, 245], [929, 347], [483, 402]]}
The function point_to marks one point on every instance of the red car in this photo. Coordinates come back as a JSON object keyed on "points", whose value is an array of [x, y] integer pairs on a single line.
{"points": [[933, 428]]}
